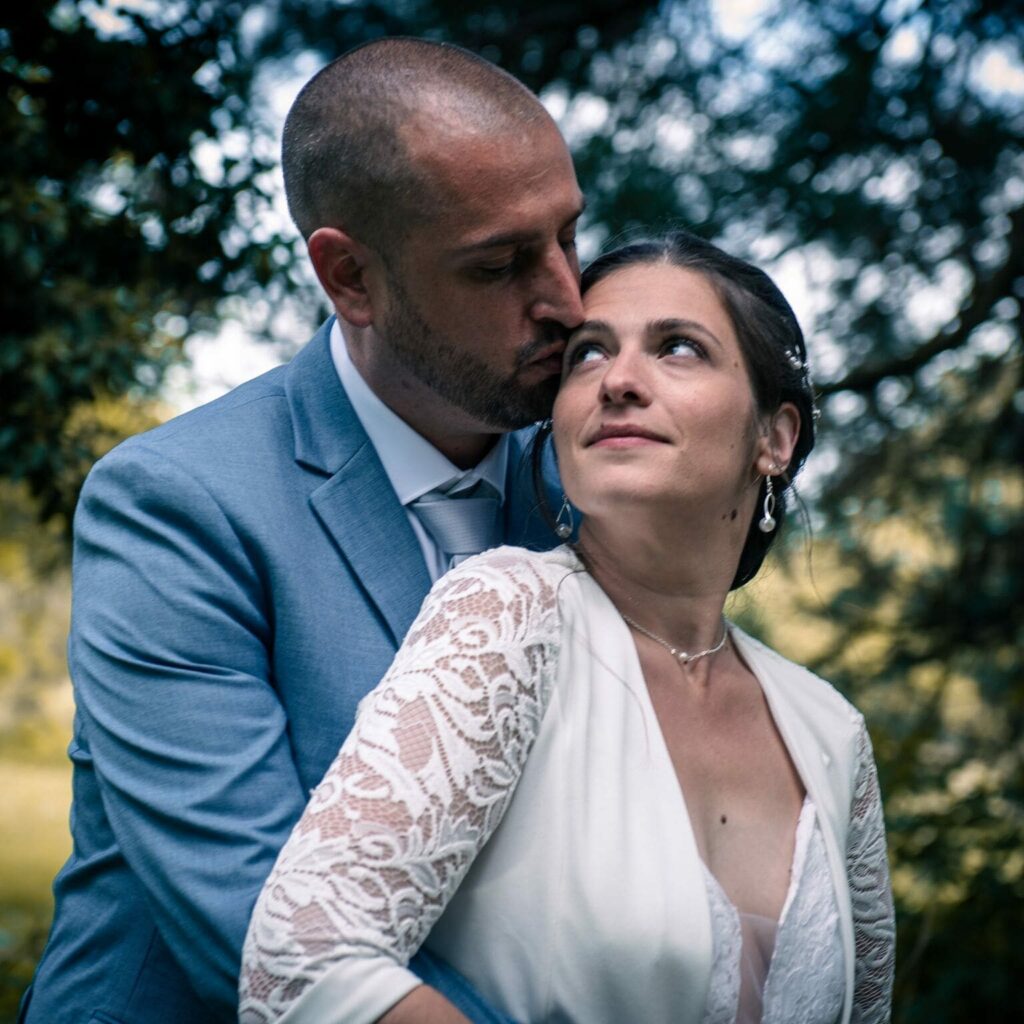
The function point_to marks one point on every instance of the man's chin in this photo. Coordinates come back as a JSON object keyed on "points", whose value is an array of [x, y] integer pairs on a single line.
{"points": [[505, 405], [532, 403]]}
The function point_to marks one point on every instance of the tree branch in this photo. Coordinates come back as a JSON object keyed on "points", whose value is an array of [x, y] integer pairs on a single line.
{"points": [[953, 335]]}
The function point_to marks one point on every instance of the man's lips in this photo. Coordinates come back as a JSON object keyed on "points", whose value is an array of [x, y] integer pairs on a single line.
{"points": [[549, 359], [622, 435]]}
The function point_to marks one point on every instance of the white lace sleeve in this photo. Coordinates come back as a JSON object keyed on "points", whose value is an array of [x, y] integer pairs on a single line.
{"points": [[414, 794], [874, 928]]}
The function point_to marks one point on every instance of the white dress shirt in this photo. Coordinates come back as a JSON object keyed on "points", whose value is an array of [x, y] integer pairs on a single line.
{"points": [[413, 465]]}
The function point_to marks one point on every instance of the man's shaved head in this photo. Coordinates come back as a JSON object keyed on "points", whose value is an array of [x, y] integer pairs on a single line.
{"points": [[345, 153]]}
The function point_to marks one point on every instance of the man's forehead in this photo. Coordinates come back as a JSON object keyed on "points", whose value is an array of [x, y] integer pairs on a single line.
{"points": [[447, 146], [472, 178]]}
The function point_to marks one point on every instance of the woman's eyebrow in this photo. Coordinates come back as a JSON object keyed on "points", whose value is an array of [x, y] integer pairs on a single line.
{"points": [[674, 324], [599, 326]]}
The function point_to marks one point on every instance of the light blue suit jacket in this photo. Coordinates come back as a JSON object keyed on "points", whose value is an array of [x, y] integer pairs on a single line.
{"points": [[243, 575]]}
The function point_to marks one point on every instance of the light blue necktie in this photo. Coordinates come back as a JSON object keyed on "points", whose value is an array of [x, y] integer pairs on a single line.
{"points": [[461, 524]]}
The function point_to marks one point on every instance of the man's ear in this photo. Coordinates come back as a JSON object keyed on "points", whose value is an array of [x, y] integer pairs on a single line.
{"points": [[342, 264], [779, 440]]}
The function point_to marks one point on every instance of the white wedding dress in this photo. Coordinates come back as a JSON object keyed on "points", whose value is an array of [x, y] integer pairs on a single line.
{"points": [[581, 899]]}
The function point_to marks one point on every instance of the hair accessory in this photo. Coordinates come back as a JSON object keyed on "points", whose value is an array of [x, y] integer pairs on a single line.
{"points": [[767, 521], [564, 522], [682, 657], [798, 361]]}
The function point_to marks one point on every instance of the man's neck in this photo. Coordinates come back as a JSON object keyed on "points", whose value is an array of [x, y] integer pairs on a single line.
{"points": [[463, 450], [461, 440]]}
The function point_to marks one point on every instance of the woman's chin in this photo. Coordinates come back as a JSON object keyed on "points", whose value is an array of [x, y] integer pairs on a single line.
{"points": [[637, 498]]}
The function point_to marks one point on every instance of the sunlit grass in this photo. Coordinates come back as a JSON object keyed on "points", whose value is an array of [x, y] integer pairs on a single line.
{"points": [[34, 842]]}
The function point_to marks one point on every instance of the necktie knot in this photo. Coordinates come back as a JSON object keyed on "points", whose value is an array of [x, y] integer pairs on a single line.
{"points": [[461, 524]]}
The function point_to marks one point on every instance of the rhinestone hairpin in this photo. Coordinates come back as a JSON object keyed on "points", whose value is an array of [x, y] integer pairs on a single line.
{"points": [[800, 364]]}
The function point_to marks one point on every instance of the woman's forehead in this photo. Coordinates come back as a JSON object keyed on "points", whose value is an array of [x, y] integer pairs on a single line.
{"points": [[633, 296]]}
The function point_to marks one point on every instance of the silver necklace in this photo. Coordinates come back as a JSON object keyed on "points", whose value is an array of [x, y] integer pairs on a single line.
{"points": [[683, 657]]}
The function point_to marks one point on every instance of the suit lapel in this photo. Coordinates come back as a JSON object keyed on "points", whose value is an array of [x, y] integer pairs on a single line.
{"points": [[355, 504], [525, 525], [360, 511]]}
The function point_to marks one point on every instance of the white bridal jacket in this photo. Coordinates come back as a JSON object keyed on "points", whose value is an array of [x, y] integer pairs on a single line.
{"points": [[506, 797]]}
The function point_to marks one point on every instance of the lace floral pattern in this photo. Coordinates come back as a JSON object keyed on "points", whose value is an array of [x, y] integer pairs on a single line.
{"points": [[727, 947], [417, 789], [807, 979], [867, 868]]}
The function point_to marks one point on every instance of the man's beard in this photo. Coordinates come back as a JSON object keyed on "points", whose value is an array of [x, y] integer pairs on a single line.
{"points": [[463, 379]]}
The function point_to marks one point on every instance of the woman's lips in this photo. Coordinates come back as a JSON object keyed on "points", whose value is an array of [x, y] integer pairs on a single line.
{"points": [[625, 435], [624, 441]]}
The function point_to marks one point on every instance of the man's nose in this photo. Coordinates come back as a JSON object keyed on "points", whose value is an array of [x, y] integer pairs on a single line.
{"points": [[558, 285]]}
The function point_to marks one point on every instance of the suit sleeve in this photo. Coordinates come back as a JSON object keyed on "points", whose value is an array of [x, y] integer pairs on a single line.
{"points": [[169, 657]]}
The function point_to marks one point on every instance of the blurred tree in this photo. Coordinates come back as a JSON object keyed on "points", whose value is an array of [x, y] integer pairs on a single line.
{"points": [[116, 243], [35, 596], [874, 148], [877, 149], [137, 186]]}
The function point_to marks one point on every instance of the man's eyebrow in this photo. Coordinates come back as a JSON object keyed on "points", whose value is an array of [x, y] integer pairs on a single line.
{"points": [[516, 237]]}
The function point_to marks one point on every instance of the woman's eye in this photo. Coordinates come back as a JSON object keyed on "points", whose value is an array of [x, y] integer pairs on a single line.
{"points": [[684, 347], [585, 352]]}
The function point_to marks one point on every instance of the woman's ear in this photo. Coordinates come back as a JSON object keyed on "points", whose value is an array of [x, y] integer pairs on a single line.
{"points": [[342, 264], [776, 444]]}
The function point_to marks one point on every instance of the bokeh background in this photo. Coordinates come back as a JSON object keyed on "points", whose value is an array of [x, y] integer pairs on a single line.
{"points": [[869, 154]]}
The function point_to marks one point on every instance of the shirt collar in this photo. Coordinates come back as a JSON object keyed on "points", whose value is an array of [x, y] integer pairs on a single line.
{"points": [[412, 464]]}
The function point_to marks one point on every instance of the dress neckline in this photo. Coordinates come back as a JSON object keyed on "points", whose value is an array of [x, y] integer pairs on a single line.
{"points": [[802, 837]]}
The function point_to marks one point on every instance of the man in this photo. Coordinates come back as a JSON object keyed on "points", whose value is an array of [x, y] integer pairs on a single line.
{"points": [[243, 574]]}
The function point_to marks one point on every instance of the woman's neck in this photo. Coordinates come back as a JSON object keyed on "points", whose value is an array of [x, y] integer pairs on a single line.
{"points": [[674, 588]]}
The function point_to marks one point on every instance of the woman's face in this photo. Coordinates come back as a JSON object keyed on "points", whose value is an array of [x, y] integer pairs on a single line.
{"points": [[656, 405]]}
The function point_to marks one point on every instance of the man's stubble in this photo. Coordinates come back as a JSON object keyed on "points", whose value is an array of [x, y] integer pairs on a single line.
{"points": [[462, 378]]}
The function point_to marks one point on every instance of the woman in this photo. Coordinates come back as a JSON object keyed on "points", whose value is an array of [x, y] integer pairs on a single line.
{"points": [[587, 821]]}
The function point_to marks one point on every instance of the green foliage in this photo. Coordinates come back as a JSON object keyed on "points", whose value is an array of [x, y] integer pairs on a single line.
{"points": [[35, 727], [34, 841], [866, 145], [115, 243]]}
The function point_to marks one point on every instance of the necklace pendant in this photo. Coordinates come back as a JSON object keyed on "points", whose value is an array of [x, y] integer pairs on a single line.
{"points": [[683, 657]]}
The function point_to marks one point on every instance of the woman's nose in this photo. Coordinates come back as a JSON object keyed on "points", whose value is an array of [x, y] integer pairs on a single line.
{"points": [[624, 381]]}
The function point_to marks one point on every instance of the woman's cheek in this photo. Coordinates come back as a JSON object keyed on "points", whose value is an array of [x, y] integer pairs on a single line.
{"points": [[564, 437]]}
